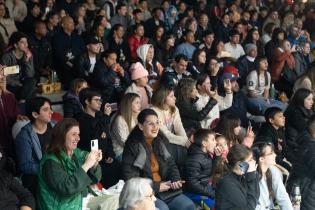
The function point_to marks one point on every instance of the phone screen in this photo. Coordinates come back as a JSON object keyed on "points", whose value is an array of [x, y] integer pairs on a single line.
{"points": [[244, 167], [94, 144]]}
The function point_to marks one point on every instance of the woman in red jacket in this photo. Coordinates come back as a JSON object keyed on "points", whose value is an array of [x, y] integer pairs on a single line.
{"points": [[283, 68]]}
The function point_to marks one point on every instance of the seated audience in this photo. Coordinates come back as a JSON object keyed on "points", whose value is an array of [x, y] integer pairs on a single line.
{"points": [[66, 172], [173, 74], [23, 83], [139, 76], [230, 126], [198, 168], [32, 140], [237, 186], [71, 102], [13, 194], [146, 155], [163, 103], [124, 121], [297, 114], [109, 77], [9, 113], [258, 84], [94, 124], [137, 194], [203, 84], [273, 132], [306, 80], [271, 185], [186, 94]]}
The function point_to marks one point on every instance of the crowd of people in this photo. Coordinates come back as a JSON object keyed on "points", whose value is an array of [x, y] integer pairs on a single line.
{"points": [[195, 104]]}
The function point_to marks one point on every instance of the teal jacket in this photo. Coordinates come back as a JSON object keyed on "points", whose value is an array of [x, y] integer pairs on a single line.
{"points": [[62, 181]]}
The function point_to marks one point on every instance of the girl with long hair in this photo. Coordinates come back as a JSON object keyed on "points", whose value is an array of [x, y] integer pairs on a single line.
{"points": [[230, 126], [270, 178], [124, 121], [163, 102], [186, 94], [297, 115]]}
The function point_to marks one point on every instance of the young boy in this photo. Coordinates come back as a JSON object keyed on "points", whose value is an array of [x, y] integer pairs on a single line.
{"points": [[273, 131], [198, 168]]}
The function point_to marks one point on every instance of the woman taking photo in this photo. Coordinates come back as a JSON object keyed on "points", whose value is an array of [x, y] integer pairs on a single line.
{"points": [[270, 179], [66, 172], [186, 94], [124, 121], [230, 126], [203, 83], [297, 115], [145, 155], [237, 186]]}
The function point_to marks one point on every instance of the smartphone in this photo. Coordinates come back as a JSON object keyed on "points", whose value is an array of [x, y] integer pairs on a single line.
{"points": [[11, 70], [113, 106], [244, 167], [94, 144]]}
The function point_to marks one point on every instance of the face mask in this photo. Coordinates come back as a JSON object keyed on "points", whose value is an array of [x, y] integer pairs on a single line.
{"points": [[244, 167]]}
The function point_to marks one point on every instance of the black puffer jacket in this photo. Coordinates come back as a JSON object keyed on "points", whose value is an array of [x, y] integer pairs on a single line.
{"points": [[190, 116], [304, 170], [136, 159], [296, 123], [198, 169], [235, 192], [12, 193]]}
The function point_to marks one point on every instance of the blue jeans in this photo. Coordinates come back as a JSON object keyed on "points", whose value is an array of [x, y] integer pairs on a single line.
{"points": [[204, 202], [180, 202], [259, 104]]}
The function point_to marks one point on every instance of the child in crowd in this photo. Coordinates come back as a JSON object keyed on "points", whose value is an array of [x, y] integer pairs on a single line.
{"points": [[198, 168], [273, 131], [139, 76]]}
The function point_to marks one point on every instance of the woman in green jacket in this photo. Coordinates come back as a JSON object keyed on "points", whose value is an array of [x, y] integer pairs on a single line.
{"points": [[65, 172]]}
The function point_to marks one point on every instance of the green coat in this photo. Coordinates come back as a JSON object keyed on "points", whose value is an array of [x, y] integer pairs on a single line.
{"points": [[63, 183]]}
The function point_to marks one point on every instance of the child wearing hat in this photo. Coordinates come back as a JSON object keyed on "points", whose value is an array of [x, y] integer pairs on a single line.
{"points": [[139, 76]]}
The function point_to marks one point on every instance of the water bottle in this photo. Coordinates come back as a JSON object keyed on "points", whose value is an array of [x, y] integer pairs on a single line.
{"points": [[296, 197], [272, 92]]}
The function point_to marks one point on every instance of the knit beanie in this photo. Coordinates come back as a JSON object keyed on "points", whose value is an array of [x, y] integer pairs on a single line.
{"points": [[138, 71], [249, 47]]}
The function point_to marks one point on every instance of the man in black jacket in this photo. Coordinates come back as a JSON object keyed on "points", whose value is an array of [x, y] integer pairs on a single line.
{"points": [[67, 46], [41, 50], [151, 24], [246, 63], [86, 62], [109, 79], [94, 124], [171, 76], [199, 166]]}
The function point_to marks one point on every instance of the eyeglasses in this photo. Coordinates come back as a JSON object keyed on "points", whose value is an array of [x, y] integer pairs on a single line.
{"points": [[271, 153], [150, 197], [99, 100], [153, 124]]}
